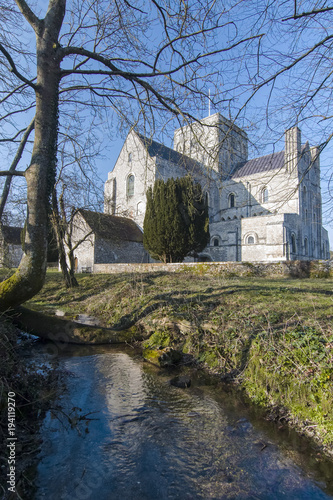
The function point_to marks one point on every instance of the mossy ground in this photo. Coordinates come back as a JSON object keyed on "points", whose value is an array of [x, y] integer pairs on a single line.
{"points": [[274, 336]]}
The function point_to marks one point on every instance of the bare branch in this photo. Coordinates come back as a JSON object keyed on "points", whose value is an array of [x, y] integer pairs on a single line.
{"points": [[13, 68], [313, 12], [5, 173], [29, 15], [12, 170], [134, 75]]}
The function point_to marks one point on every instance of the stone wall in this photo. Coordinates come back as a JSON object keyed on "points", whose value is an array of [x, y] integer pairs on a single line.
{"points": [[293, 269], [134, 161], [119, 251]]}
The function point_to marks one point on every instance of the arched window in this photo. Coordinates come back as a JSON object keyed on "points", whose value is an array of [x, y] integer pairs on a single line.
{"points": [[140, 208], [293, 243], [306, 247], [130, 185], [129, 157], [264, 195], [206, 199], [250, 240], [114, 188], [215, 242], [231, 200], [304, 195]]}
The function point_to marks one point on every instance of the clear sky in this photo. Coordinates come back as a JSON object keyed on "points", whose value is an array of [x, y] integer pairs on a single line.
{"points": [[249, 42]]}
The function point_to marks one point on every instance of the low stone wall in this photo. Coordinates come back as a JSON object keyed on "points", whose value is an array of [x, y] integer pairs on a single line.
{"points": [[294, 269]]}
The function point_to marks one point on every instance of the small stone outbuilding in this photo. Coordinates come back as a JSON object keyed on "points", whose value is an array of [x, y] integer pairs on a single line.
{"points": [[10, 246], [101, 239]]}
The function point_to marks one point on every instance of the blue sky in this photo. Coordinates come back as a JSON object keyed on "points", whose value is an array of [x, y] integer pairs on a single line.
{"points": [[231, 76]]}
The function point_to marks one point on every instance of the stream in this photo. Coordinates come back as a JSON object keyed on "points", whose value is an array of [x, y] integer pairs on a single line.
{"points": [[121, 431]]}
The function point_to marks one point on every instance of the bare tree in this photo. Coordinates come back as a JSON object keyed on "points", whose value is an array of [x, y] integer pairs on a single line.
{"points": [[134, 58], [76, 187]]}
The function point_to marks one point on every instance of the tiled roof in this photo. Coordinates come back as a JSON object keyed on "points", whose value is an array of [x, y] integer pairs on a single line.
{"points": [[156, 149], [112, 227], [266, 163], [12, 235]]}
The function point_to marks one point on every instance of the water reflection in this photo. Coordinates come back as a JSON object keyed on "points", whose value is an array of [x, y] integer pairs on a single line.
{"points": [[153, 441]]}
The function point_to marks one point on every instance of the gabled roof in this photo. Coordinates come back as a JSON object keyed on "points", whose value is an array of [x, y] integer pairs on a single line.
{"points": [[266, 163], [11, 235], [112, 227], [156, 149]]}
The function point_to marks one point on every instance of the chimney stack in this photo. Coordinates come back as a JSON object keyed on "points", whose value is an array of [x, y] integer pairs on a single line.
{"points": [[293, 147]]}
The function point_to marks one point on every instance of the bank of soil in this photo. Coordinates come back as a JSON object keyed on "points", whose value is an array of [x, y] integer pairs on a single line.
{"points": [[26, 387], [273, 337]]}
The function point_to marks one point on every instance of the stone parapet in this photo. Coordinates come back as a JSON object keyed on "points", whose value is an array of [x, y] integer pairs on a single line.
{"points": [[293, 269]]}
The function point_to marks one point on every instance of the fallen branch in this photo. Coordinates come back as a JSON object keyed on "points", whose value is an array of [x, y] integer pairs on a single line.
{"points": [[60, 330]]}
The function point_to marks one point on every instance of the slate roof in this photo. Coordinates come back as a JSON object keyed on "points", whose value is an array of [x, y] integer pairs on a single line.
{"points": [[112, 227], [156, 149], [266, 163], [11, 235]]}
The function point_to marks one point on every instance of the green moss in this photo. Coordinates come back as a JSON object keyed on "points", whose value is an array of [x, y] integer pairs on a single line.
{"points": [[158, 339], [162, 357], [293, 370], [151, 355], [210, 357]]}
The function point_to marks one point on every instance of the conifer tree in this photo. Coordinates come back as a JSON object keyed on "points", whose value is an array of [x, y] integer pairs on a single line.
{"points": [[176, 220]]}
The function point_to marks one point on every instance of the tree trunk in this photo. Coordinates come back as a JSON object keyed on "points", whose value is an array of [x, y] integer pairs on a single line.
{"points": [[71, 259], [40, 175], [58, 223], [62, 331]]}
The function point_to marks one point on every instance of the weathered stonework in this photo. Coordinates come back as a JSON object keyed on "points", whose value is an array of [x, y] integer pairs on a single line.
{"points": [[294, 269]]}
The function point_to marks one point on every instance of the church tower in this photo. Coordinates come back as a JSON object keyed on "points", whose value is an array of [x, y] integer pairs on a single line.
{"points": [[214, 141]]}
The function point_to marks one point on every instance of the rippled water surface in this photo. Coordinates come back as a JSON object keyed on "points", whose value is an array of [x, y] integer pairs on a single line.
{"points": [[150, 440]]}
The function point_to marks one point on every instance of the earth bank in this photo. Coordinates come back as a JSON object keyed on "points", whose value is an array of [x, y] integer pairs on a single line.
{"points": [[27, 389], [272, 337]]}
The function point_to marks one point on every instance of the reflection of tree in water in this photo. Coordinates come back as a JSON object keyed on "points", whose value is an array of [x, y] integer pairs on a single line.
{"points": [[152, 440]]}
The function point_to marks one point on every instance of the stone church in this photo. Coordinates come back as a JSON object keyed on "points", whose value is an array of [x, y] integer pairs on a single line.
{"points": [[266, 209]]}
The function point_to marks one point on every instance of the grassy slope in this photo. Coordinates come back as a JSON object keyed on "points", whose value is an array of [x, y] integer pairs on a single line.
{"points": [[274, 336]]}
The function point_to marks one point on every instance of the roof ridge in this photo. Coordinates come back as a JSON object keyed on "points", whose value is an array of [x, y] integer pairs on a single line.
{"points": [[174, 152], [271, 161], [113, 227]]}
